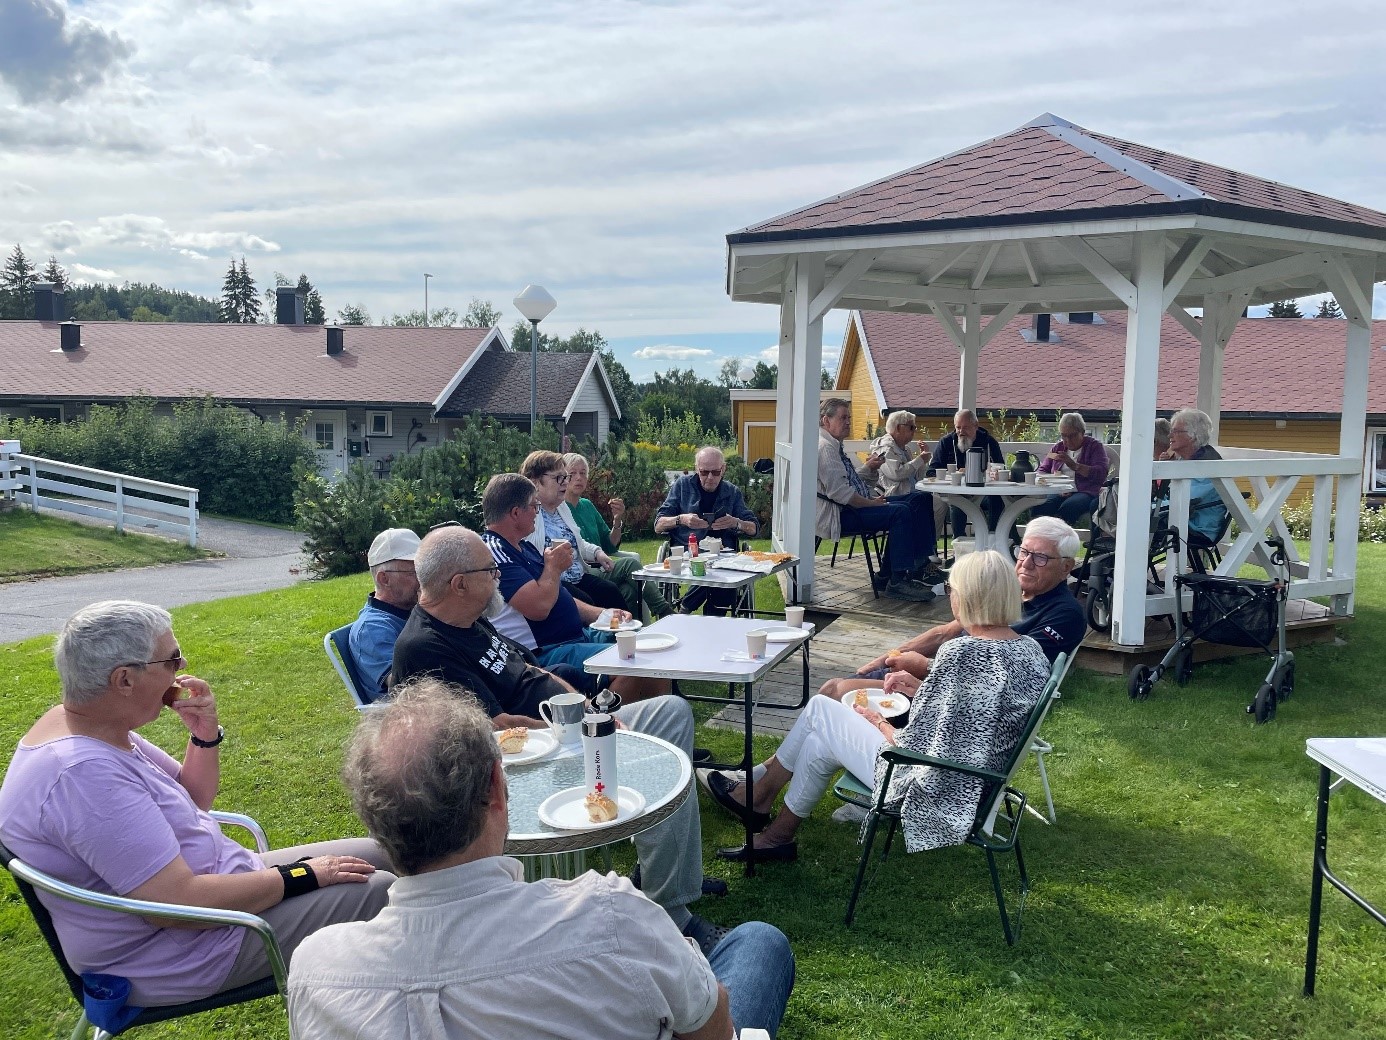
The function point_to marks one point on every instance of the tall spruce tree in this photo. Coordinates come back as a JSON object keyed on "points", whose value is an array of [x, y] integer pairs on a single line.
{"points": [[1284, 309], [249, 301], [313, 311], [17, 280], [54, 272], [1328, 308], [231, 296]]}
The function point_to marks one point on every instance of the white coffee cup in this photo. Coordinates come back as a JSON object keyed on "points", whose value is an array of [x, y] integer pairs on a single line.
{"points": [[755, 644], [952, 467], [563, 712], [625, 646], [794, 617], [1032, 478], [955, 477]]}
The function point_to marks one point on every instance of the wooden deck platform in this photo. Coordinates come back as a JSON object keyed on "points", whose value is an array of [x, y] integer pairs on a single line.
{"points": [[855, 626]]}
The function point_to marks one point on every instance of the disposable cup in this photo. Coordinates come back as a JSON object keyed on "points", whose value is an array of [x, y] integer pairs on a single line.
{"points": [[955, 477], [1032, 478], [625, 646], [755, 643], [794, 617]]}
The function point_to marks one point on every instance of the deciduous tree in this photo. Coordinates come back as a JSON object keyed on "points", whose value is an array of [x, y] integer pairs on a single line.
{"points": [[354, 314], [480, 314]]}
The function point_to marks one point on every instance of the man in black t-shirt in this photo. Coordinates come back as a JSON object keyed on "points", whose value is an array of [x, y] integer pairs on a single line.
{"points": [[447, 636]]}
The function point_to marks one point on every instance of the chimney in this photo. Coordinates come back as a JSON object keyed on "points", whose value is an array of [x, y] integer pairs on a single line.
{"points": [[1041, 328], [71, 334], [288, 305], [1080, 318], [48, 301], [335, 341]]}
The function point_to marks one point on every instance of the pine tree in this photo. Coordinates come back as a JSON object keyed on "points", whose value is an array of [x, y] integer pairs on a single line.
{"points": [[230, 296], [1284, 309], [313, 310], [249, 301], [1329, 308], [17, 280], [53, 272]]}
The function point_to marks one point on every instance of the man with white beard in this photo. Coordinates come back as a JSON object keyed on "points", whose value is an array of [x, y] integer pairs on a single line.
{"points": [[447, 636]]}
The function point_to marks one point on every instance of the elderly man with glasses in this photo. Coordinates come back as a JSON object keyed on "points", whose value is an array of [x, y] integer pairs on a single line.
{"points": [[1050, 614], [372, 635], [703, 504]]}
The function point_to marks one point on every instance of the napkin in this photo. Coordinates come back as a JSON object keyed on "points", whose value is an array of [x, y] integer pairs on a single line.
{"points": [[739, 655]]}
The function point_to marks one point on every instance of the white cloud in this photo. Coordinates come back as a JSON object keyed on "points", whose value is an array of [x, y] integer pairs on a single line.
{"points": [[44, 58], [672, 353], [83, 273]]}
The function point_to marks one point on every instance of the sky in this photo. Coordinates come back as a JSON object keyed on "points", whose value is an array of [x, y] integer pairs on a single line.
{"points": [[605, 148]]}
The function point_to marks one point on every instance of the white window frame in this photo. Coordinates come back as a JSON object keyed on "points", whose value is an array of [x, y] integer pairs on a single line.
{"points": [[389, 424], [1374, 459]]}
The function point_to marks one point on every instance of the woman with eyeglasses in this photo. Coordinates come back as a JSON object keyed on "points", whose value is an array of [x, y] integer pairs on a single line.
{"points": [[89, 801], [595, 530], [897, 462], [556, 523], [972, 708]]}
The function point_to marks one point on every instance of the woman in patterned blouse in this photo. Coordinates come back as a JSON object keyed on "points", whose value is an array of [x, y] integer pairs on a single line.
{"points": [[972, 709]]}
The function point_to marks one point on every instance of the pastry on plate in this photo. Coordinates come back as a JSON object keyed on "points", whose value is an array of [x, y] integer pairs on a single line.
{"points": [[512, 741], [600, 808], [860, 699]]}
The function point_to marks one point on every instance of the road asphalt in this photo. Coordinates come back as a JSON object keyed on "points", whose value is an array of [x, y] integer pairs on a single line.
{"points": [[257, 559]]}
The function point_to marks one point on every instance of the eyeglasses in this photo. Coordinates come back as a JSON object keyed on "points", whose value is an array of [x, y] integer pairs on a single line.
{"points": [[908, 426], [446, 523], [399, 570], [712, 472], [493, 570], [177, 660], [558, 478], [1038, 559]]}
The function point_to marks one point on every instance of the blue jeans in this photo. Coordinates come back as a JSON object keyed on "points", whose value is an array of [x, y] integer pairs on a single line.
{"points": [[574, 652], [756, 965], [900, 521], [1069, 508]]}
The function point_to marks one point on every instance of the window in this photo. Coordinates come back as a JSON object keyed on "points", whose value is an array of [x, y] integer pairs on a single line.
{"points": [[325, 435], [46, 412], [378, 424], [1376, 461]]}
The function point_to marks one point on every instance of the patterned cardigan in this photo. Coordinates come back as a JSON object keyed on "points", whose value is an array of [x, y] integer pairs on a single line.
{"points": [[971, 709]]}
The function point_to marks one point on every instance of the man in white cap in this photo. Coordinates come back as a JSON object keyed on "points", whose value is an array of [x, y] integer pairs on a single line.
{"points": [[373, 633]]}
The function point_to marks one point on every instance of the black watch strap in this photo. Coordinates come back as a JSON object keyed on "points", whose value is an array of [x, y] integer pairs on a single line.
{"points": [[221, 735]]}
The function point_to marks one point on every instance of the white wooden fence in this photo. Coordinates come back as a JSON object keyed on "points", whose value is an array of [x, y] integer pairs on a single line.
{"points": [[117, 497]]}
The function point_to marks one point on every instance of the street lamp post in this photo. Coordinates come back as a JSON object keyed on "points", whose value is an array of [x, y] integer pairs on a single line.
{"points": [[535, 304], [427, 276]]}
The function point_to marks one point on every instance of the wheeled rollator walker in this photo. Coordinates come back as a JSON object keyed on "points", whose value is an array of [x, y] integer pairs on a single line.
{"points": [[1233, 612]]}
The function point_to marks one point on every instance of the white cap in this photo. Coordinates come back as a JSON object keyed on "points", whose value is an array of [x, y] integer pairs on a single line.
{"points": [[398, 543]]}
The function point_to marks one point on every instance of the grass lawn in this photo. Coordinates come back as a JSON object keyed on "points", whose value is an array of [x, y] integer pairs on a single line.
{"points": [[1170, 901], [39, 546]]}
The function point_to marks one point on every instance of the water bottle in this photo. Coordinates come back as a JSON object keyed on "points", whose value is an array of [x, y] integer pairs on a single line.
{"points": [[599, 754]]}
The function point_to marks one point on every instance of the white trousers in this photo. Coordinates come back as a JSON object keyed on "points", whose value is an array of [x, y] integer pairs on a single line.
{"points": [[827, 736]]}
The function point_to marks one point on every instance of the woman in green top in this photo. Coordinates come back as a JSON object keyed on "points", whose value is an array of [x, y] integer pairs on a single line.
{"points": [[594, 529]]}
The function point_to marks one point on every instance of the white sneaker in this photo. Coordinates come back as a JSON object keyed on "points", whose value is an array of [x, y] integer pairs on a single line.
{"points": [[849, 813]]}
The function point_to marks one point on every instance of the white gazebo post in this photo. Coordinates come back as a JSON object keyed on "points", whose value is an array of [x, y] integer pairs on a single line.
{"points": [[807, 362], [971, 357], [787, 403], [1138, 438], [1352, 283]]}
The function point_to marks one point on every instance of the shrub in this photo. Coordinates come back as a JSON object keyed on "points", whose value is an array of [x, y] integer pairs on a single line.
{"points": [[672, 441], [632, 474], [1371, 528], [242, 465]]}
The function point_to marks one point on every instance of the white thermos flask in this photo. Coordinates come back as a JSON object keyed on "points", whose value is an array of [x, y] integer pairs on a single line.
{"points": [[599, 754]]}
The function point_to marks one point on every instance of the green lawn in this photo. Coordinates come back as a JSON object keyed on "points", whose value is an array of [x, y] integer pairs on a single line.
{"points": [[1170, 901], [43, 546]]}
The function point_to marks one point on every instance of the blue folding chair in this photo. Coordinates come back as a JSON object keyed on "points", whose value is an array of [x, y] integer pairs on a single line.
{"points": [[346, 666]]}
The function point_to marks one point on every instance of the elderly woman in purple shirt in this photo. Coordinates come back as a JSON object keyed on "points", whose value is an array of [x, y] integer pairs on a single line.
{"points": [[1082, 457], [91, 802]]}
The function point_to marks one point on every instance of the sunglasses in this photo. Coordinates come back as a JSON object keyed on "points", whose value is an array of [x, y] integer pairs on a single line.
{"points": [[177, 660]]}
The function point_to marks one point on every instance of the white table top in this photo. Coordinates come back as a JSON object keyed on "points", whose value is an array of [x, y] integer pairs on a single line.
{"points": [[698, 655], [1001, 488], [720, 577], [1360, 760]]}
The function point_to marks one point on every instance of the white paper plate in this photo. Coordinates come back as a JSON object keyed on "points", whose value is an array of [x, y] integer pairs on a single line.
{"points": [[603, 624], [785, 635], [541, 743], [888, 704], [565, 810], [651, 641]]}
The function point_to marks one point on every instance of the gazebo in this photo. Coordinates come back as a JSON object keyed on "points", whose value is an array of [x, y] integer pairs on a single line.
{"points": [[1055, 218]]}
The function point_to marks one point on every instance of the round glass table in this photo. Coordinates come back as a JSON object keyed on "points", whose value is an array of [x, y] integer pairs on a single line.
{"points": [[654, 767]]}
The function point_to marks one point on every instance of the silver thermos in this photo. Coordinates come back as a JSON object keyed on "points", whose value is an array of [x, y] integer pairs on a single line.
{"points": [[975, 473]]}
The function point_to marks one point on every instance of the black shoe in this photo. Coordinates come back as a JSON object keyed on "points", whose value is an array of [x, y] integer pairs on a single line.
{"points": [[706, 934], [712, 886], [701, 756], [720, 788], [907, 588], [930, 575], [786, 853]]}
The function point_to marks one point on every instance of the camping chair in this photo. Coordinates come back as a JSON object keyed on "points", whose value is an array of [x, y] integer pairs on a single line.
{"points": [[1042, 747], [346, 666], [27, 879], [876, 541], [999, 801]]}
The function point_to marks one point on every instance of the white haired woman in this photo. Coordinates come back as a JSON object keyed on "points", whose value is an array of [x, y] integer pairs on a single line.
{"points": [[1189, 433], [91, 802], [898, 462], [1082, 456], [972, 708], [595, 530]]}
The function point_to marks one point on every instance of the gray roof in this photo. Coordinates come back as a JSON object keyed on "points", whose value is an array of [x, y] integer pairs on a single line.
{"points": [[498, 384]]}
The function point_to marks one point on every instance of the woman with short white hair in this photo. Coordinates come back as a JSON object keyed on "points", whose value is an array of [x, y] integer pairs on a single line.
{"points": [[972, 708], [897, 461], [1189, 433], [1083, 457]]}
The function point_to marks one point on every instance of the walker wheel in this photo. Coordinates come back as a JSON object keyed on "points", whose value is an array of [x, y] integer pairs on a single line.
{"points": [[1139, 683], [1183, 666], [1286, 686], [1099, 608], [1264, 705]]}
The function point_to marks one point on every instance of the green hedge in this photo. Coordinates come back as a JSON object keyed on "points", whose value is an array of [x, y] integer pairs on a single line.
{"points": [[241, 465]]}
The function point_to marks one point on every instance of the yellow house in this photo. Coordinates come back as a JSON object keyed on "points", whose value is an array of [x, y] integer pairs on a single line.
{"points": [[753, 419]]}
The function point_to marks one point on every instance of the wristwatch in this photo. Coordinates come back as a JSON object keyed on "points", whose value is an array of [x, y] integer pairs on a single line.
{"points": [[221, 735]]}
